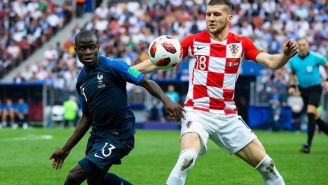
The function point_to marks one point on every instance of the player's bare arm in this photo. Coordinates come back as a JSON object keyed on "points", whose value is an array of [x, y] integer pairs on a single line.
{"points": [[292, 84], [145, 67], [276, 61], [173, 109], [60, 155]]}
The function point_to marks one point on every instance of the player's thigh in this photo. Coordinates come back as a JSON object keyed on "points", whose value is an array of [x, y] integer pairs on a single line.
{"points": [[194, 132], [77, 174], [231, 133], [252, 153]]}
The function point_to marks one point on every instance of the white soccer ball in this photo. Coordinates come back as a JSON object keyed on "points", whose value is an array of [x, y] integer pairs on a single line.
{"points": [[165, 52]]}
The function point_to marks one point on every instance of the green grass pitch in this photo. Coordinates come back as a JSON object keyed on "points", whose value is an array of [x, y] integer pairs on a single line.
{"points": [[24, 159]]}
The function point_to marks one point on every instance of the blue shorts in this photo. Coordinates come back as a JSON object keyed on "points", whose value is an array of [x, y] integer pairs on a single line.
{"points": [[107, 147]]}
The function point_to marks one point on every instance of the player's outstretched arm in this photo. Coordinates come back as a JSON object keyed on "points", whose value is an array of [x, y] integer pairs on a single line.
{"points": [[174, 110], [276, 61], [145, 67], [60, 155]]}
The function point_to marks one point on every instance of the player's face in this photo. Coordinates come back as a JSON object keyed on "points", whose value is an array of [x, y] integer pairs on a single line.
{"points": [[217, 18], [87, 50], [303, 47]]}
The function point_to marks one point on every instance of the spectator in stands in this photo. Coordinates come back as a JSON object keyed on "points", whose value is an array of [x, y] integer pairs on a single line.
{"points": [[1, 113], [79, 7], [275, 101], [173, 95], [8, 114], [18, 78], [70, 111], [25, 25], [296, 104], [21, 113]]}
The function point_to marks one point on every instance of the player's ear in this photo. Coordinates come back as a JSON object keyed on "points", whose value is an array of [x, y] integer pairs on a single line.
{"points": [[229, 18], [98, 44]]}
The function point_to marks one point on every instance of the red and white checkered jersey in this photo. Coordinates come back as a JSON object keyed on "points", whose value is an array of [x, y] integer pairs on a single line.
{"points": [[214, 67]]}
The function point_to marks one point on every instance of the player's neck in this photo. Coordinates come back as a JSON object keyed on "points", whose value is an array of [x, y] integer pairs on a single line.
{"points": [[305, 55], [221, 36]]}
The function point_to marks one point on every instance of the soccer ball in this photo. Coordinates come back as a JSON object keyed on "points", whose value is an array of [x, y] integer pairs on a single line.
{"points": [[165, 52]]}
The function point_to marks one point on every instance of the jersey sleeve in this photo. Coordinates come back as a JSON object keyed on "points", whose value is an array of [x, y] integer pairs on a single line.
{"points": [[321, 59], [251, 51], [123, 71], [186, 44], [291, 65]]}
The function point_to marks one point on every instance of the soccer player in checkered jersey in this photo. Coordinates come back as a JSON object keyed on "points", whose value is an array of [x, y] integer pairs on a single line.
{"points": [[215, 58]]}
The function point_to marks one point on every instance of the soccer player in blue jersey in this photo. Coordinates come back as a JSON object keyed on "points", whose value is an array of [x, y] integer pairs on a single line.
{"points": [[305, 71], [101, 86]]}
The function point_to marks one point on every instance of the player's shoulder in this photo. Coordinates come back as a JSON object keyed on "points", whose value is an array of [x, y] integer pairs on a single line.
{"points": [[80, 75], [110, 61], [202, 36], [233, 37], [316, 55]]}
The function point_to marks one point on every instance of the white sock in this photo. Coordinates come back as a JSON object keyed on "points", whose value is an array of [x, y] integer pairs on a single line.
{"points": [[269, 172], [186, 161]]}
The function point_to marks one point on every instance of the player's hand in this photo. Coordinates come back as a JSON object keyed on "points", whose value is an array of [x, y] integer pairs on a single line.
{"points": [[290, 48], [291, 91], [58, 158], [174, 110]]}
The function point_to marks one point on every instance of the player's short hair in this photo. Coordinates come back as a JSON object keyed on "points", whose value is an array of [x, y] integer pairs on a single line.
{"points": [[303, 38], [85, 33], [221, 2]]}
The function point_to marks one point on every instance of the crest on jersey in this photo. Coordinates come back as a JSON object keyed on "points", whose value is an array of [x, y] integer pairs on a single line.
{"points": [[100, 81], [234, 50], [100, 77]]}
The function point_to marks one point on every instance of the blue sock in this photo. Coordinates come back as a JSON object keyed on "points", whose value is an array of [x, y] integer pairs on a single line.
{"points": [[112, 179]]}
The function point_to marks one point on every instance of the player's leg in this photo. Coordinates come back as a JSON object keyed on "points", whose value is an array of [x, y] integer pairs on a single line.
{"points": [[76, 176], [12, 116], [193, 141], [255, 155], [321, 124], [190, 148], [313, 103], [311, 111], [4, 118], [112, 179]]}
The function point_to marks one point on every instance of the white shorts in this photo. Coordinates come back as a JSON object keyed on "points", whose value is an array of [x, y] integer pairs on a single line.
{"points": [[228, 131]]}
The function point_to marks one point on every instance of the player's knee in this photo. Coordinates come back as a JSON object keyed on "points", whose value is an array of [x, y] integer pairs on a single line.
{"points": [[75, 176], [269, 171], [188, 158]]}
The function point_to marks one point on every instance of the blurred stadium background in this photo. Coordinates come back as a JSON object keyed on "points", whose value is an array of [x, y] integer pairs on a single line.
{"points": [[38, 63]]}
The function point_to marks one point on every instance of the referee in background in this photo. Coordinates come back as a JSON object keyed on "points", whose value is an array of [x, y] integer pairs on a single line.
{"points": [[305, 73]]}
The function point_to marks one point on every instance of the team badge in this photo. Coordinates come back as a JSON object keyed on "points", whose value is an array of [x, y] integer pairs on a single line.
{"points": [[234, 49], [100, 78]]}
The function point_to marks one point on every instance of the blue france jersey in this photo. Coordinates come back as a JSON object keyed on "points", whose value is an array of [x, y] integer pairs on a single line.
{"points": [[307, 69], [102, 92]]}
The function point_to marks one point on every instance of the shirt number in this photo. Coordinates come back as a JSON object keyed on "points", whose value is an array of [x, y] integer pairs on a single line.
{"points": [[105, 153], [83, 93], [200, 62]]}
